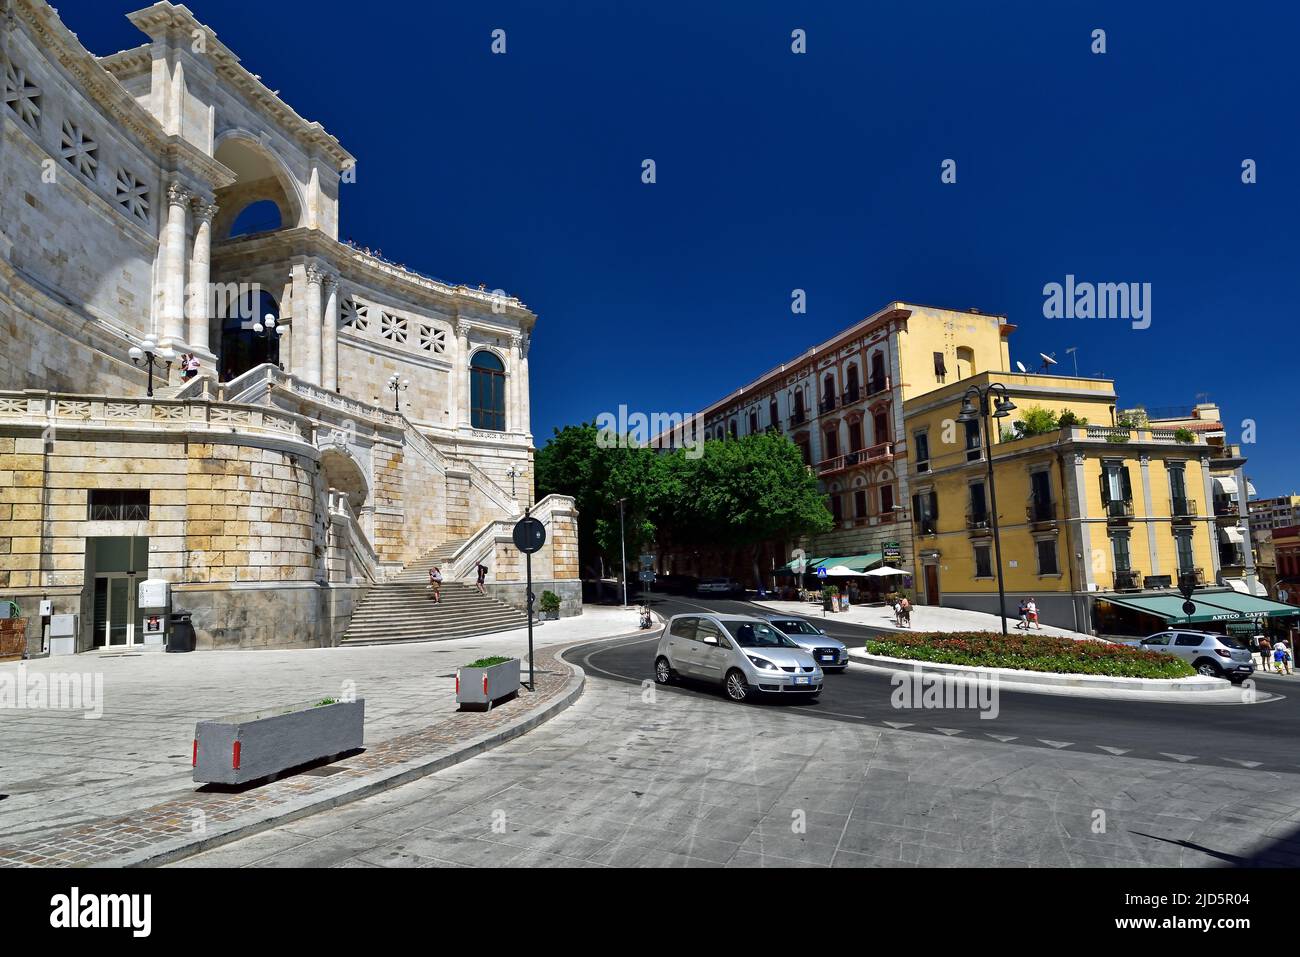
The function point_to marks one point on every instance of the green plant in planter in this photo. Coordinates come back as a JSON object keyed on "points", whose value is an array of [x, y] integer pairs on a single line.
{"points": [[487, 662], [323, 702], [1119, 438], [830, 591], [550, 602], [1068, 419], [1186, 436]]}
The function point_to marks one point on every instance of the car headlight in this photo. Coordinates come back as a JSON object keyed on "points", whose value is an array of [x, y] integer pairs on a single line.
{"points": [[761, 663]]}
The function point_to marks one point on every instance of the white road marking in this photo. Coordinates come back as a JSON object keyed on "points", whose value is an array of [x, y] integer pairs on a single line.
{"points": [[949, 731], [1183, 758], [1004, 738], [1115, 751], [1056, 744]]}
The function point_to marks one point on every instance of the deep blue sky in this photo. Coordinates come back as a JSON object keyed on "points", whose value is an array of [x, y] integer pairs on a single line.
{"points": [[820, 172]]}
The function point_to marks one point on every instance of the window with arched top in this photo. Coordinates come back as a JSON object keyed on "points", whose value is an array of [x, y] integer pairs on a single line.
{"points": [[487, 392]]}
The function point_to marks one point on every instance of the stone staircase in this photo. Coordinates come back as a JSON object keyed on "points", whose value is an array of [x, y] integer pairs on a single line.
{"points": [[403, 610]]}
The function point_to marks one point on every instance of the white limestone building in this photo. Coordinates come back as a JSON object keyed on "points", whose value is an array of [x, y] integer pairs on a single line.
{"points": [[164, 194]]}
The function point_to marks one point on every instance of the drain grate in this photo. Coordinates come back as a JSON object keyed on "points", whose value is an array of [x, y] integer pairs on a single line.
{"points": [[325, 772]]}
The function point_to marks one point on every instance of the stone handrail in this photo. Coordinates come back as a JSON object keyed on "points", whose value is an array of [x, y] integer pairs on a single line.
{"points": [[461, 564], [482, 481], [362, 551], [48, 409]]}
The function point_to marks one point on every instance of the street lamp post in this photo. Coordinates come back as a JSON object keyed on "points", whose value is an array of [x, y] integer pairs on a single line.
{"points": [[622, 544], [397, 385], [1002, 407], [148, 351]]}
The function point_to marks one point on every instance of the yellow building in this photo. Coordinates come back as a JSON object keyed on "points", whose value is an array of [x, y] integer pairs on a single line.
{"points": [[1084, 510]]}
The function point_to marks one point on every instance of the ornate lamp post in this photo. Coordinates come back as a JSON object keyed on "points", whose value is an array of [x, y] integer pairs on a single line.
{"points": [[148, 351], [971, 412], [397, 385]]}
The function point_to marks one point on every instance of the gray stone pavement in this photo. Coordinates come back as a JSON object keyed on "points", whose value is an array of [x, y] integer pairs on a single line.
{"points": [[686, 780], [59, 769]]}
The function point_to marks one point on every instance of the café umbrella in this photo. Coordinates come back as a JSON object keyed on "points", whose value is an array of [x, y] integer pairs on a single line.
{"points": [[884, 571]]}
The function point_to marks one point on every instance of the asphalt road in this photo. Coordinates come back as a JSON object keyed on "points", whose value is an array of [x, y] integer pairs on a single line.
{"points": [[1259, 736]]}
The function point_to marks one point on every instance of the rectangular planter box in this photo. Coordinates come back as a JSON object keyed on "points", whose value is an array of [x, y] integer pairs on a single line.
{"points": [[13, 638], [486, 685], [257, 744]]}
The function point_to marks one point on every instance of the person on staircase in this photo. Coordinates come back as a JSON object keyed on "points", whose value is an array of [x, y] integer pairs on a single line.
{"points": [[482, 577], [435, 584]]}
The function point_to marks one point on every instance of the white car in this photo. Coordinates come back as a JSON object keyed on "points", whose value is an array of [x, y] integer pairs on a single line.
{"points": [[745, 655]]}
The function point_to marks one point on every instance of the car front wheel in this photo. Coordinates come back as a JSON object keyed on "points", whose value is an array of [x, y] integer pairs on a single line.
{"points": [[737, 686], [1208, 668], [663, 671]]}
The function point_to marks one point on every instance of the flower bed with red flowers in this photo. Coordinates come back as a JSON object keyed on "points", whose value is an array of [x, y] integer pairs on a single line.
{"points": [[988, 649]]}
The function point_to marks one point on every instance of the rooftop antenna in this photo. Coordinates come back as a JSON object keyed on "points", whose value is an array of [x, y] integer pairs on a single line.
{"points": [[1074, 351], [1021, 366], [1048, 361]]}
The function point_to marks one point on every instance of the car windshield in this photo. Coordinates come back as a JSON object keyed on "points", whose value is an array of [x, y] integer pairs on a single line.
{"points": [[753, 634], [795, 627]]}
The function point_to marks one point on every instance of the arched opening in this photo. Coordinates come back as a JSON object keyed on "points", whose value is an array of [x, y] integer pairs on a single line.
{"points": [[965, 362], [259, 216], [261, 184], [877, 381], [250, 333], [487, 392], [343, 473]]}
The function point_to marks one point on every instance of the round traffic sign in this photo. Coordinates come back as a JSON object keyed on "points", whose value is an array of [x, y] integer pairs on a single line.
{"points": [[1189, 608], [529, 535]]}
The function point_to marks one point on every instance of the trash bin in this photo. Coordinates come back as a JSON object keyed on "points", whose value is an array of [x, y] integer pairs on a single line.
{"points": [[180, 632]]}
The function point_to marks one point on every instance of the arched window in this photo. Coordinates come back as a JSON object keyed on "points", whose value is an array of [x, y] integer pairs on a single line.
{"points": [[772, 419], [851, 385], [487, 392], [260, 217]]}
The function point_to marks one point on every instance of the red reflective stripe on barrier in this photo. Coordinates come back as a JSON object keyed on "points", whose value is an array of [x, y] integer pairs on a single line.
{"points": [[195, 762], [235, 757], [485, 683], [458, 682]]}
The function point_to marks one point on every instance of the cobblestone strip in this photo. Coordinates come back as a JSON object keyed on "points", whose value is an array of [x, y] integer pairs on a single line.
{"points": [[206, 819]]}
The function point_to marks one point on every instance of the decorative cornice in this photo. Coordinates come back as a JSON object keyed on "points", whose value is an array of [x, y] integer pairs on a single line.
{"points": [[165, 18]]}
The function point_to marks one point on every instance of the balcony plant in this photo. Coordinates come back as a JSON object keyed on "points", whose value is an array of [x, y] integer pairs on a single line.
{"points": [[1184, 436]]}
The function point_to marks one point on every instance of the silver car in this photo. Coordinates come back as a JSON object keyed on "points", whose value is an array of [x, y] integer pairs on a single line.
{"points": [[745, 655], [831, 654], [1212, 654]]}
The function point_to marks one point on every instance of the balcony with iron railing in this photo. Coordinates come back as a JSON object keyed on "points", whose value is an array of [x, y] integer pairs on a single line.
{"points": [[979, 522], [826, 404], [1191, 574], [927, 526], [884, 452], [1128, 580], [1225, 506], [877, 385], [1040, 511], [1118, 508], [1182, 508], [851, 395], [798, 419]]}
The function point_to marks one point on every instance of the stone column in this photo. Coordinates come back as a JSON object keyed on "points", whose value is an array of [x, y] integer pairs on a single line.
{"points": [[462, 374], [173, 266], [286, 313], [329, 360], [513, 389], [200, 298], [525, 396], [311, 335]]}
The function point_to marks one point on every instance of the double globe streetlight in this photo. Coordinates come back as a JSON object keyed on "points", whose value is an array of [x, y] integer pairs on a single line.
{"points": [[268, 325], [975, 407], [397, 385], [149, 352]]}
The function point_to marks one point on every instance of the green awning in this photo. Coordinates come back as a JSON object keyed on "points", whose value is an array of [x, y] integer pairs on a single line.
{"points": [[1168, 607], [811, 564], [859, 563], [1249, 606], [1217, 606]]}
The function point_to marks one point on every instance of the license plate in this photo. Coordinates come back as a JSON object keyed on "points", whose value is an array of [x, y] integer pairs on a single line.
{"points": [[803, 681], [827, 657]]}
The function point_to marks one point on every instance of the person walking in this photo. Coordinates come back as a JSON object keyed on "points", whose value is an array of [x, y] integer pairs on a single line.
{"points": [[482, 577], [1265, 652], [1024, 615], [435, 584], [904, 613], [1031, 610], [191, 365]]}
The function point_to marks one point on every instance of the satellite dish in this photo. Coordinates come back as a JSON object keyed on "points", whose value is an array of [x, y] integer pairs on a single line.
{"points": [[1048, 361], [1021, 366]]}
